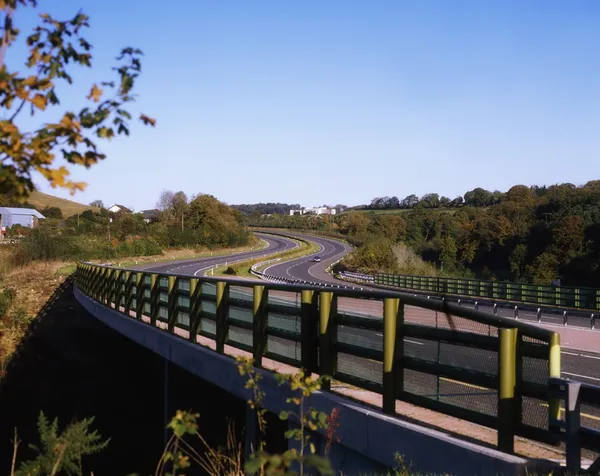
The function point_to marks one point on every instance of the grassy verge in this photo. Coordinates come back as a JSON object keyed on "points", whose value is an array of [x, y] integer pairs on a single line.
{"points": [[242, 269]]}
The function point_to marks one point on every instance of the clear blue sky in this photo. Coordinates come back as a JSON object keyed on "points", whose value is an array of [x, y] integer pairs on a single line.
{"points": [[340, 101]]}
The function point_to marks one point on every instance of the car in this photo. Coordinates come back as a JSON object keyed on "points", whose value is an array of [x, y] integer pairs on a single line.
{"points": [[316, 259]]}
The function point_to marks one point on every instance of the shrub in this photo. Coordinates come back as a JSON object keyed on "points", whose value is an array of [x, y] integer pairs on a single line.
{"points": [[230, 270]]}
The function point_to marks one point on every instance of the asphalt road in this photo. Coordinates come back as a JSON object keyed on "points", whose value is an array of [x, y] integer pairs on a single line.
{"points": [[305, 269], [580, 356], [197, 267]]}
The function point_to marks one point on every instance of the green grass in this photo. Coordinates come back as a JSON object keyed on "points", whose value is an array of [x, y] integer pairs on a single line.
{"points": [[243, 269], [68, 207], [67, 270]]}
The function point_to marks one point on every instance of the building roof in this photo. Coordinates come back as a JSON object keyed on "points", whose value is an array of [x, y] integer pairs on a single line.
{"points": [[122, 207], [149, 214], [21, 211]]}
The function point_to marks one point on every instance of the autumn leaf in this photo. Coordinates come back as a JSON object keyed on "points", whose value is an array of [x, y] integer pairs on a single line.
{"points": [[39, 101], [95, 93], [147, 120]]}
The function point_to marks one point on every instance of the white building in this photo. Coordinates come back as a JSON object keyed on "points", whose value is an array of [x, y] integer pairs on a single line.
{"points": [[314, 211]]}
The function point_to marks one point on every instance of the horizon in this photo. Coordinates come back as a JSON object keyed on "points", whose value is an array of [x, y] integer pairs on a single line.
{"points": [[343, 102]]}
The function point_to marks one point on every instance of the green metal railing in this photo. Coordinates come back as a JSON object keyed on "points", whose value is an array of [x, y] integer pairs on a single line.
{"points": [[556, 296], [458, 361]]}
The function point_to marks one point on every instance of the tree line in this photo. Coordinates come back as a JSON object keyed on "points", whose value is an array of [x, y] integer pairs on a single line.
{"points": [[530, 234]]}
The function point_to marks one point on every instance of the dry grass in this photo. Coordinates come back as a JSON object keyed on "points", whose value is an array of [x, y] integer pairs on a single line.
{"points": [[68, 207], [34, 284]]}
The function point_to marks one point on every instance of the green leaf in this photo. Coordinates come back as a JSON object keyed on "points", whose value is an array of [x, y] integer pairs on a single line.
{"points": [[283, 415]]}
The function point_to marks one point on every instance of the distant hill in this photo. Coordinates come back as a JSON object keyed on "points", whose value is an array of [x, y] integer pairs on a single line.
{"points": [[69, 208]]}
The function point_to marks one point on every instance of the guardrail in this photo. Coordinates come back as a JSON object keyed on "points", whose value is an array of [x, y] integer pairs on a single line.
{"points": [[472, 365], [575, 395], [555, 296], [588, 319]]}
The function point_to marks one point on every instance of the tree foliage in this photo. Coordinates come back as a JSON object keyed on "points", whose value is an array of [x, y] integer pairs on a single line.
{"points": [[53, 47]]}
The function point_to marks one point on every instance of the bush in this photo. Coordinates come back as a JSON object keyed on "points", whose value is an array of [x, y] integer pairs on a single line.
{"points": [[230, 270], [6, 299]]}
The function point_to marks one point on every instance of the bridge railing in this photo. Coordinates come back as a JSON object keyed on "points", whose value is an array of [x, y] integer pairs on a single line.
{"points": [[482, 368], [555, 296]]}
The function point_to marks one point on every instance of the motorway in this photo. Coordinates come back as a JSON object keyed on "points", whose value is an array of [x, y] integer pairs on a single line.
{"points": [[198, 266], [579, 361]]}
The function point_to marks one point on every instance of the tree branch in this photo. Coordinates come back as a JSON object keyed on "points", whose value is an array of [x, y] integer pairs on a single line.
{"points": [[17, 111], [5, 34]]}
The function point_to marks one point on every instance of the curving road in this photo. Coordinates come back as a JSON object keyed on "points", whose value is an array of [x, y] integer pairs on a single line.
{"points": [[197, 267], [304, 269]]}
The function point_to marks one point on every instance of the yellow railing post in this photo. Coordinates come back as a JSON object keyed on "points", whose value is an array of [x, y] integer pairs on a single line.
{"points": [[139, 295], [154, 298], [506, 389], [327, 335], [128, 294], [222, 315], [554, 372], [195, 308], [172, 303], [259, 319], [309, 330], [393, 349]]}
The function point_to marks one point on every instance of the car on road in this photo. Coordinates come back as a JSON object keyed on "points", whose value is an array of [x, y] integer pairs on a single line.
{"points": [[316, 259]]}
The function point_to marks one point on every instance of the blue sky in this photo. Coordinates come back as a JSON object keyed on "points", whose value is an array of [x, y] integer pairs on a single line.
{"points": [[316, 101]]}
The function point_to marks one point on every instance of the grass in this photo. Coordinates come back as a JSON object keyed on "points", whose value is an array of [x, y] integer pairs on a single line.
{"points": [[68, 207], [243, 269]]}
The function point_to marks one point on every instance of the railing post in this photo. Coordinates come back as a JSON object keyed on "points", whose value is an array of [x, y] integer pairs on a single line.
{"points": [[128, 294], [195, 308], [103, 285], [140, 291], [506, 390], [118, 290], [327, 335], [222, 314], [309, 318], [172, 299], [572, 426], [154, 298], [260, 320], [393, 351], [554, 372]]}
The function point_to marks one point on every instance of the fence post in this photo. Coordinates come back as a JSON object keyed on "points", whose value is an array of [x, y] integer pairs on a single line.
{"points": [[327, 335], [309, 312], [222, 314], [118, 289], [393, 351], [154, 297], [195, 308], [172, 303], [139, 295], [260, 320], [554, 372], [506, 390], [572, 426]]}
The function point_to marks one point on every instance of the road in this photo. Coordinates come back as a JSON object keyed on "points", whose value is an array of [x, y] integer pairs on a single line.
{"points": [[197, 267], [304, 269], [580, 356]]}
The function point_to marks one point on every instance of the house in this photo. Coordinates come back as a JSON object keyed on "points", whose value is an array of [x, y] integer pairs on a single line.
{"points": [[314, 211], [10, 216], [150, 215], [116, 208]]}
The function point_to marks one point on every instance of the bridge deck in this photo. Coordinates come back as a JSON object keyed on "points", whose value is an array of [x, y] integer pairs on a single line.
{"points": [[435, 420]]}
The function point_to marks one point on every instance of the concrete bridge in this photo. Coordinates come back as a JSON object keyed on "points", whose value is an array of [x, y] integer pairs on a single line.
{"points": [[388, 353]]}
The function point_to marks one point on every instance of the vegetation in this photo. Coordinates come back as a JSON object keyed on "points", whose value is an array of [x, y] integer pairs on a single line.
{"points": [[528, 234], [54, 46], [43, 201]]}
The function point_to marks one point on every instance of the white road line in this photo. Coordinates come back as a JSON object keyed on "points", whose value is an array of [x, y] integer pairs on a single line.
{"points": [[570, 353], [582, 376], [589, 357], [379, 334]]}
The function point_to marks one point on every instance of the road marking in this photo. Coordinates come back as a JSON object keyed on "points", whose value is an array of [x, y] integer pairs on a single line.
{"points": [[585, 415], [570, 353], [589, 357], [582, 376], [465, 384]]}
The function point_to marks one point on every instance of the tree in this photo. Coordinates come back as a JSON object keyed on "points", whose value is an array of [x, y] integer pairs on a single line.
{"points": [[53, 46], [478, 197], [97, 204], [52, 212]]}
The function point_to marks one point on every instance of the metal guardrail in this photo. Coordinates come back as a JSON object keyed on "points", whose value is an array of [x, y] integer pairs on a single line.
{"points": [[555, 296], [590, 319], [575, 395], [468, 364]]}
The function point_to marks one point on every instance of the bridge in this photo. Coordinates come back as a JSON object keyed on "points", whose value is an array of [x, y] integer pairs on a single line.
{"points": [[404, 367]]}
